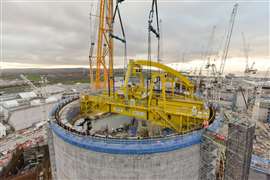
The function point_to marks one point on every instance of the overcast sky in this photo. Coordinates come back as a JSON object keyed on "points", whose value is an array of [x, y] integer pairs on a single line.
{"points": [[53, 33]]}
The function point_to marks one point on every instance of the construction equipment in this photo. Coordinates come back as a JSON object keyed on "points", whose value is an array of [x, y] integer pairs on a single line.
{"points": [[228, 40], [162, 96], [40, 91], [160, 43], [152, 29], [217, 83], [105, 44], [93, 29], [248, 70], [105, 47], [206, 55], [121, 38], [169, 106]]}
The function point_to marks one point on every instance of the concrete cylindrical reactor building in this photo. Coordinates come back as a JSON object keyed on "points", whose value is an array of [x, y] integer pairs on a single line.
{"points": [[78, 156]]}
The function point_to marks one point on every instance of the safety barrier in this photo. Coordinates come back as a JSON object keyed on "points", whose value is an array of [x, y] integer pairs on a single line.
{"points": [[118, 146], [121, 146]]}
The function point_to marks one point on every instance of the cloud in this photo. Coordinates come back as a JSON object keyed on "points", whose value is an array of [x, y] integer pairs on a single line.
{"points": [[58, 33]]}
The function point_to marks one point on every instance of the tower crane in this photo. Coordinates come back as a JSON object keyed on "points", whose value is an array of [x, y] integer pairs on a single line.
{"points": [[228, 40], [217, 74], [248, 70]]}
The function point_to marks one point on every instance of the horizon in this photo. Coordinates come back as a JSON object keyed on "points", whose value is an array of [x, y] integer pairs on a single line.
{"points": [[191, 65]]}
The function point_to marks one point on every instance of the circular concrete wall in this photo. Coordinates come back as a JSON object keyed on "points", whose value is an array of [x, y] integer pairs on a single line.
{"points": [[77, 161], [79, 156]]}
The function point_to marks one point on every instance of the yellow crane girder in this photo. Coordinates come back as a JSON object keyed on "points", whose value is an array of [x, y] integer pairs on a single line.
{"points": [[159, 99]]}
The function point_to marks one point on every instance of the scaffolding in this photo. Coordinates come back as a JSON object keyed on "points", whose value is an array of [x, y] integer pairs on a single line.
{"points": [[208, 156], [211, 156], [239, 150]]}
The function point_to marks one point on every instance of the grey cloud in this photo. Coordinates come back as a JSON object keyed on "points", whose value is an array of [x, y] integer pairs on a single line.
{"points": [[58, 32]]}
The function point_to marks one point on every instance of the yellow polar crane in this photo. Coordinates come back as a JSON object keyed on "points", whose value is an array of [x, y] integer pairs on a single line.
{"points": [[167, 99]]}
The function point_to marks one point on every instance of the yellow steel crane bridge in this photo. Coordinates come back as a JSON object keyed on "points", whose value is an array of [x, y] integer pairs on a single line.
{"points": [[168, 100]]}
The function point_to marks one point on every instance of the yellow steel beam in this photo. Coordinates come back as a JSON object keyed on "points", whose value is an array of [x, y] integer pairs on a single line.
{"points": [[167, 69], [103, 51], [177, 115], [180, 112]]}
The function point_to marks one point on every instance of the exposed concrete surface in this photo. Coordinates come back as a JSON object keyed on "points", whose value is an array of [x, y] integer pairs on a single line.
{"points": [[52, 153], [73, 162]]}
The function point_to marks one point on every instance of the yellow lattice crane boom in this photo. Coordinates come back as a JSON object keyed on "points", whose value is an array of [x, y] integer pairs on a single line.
{"points": [[167, 99], [105, 45]]}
